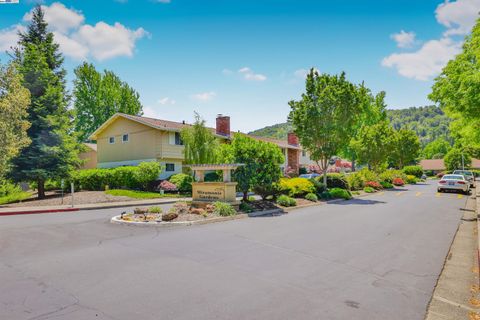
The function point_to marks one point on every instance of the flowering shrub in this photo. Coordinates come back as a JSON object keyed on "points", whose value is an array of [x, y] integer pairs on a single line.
{"points": [[167, 186], [290, 172], [373, 184], [411, 179], [296, 186], [398, 182]]}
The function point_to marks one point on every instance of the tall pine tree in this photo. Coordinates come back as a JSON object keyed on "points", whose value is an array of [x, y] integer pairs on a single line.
{"points": [[53, 152]]}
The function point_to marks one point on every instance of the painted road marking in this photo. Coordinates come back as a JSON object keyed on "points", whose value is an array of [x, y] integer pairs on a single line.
{"points": [[459, 196], [401, 193], [438, 195], [381, 193], [418, 194]]}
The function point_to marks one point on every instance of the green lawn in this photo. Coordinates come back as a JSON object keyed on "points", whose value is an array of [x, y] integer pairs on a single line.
{"points": [[14, 197], [142, 194]]}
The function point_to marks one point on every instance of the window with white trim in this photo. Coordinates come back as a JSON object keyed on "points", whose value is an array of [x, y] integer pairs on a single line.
{"points": [[125, 137], [178, 139], [111, 140]]}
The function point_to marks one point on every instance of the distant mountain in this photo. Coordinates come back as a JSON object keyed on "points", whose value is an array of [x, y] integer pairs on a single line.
{"points": [[428, 122]]}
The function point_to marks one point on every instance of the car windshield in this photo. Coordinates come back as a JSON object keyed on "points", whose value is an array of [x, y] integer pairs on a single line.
{"points": [[453, 177], [465, 173]]}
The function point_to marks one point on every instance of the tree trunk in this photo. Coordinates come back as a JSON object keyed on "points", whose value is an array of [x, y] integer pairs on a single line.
{"points": [[325, 178], [353, 164], [245, 196], [41, 189]]}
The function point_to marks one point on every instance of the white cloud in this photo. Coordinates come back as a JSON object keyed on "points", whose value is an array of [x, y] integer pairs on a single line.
{"points": [[150, 112], [78, 40], [9, 37], [204, 96], [458, 16], [428, 61], [302, 73], [425, 63], [248, 74], [166, 101], [227, 72], [404, 39], [106, 41], [60, 18]]}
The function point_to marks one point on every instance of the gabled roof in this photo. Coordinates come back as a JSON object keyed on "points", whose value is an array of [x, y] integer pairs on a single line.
{"points": [[173, 126], [432, 164]]}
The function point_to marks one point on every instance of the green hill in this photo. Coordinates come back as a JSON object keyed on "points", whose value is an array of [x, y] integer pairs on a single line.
{"points": [[428, 122]]}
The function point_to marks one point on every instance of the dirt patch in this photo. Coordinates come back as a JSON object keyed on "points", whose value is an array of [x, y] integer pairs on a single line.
{"points": [[82, 197]]}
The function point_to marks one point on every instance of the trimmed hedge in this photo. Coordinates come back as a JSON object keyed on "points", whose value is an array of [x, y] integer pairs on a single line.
{"points": [[416, 171], [182, 181], [286, 201], [340, 193], [336, 180], [137, 177], [296, 187]]}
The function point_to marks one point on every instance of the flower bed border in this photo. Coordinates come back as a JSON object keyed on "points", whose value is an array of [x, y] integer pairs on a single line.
{"points": [[118, 220]]}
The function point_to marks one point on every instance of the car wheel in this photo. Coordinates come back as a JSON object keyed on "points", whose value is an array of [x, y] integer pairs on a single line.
{"points": [[439, 190]]}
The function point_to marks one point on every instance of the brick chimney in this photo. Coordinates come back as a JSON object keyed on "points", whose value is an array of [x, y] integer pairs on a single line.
{"points": [[223, 125], [292, 139]]}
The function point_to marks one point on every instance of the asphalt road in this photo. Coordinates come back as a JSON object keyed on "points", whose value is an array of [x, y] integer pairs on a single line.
{"points": [[373, 258]]}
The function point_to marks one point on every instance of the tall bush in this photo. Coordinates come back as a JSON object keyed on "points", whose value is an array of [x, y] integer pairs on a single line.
{"points": [[182, 181], [416, 171]]}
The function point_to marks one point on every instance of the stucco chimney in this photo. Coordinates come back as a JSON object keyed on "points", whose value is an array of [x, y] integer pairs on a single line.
{"points": [[223, 125], [292, 139]]}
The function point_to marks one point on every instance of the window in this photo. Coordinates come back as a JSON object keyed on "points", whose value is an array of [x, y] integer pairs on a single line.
{"points": [[304, 153], [178, 139], [111, 140], [125, 138], [170, 167]]}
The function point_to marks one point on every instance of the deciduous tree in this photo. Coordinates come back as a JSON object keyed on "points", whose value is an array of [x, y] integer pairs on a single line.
{"points": [[405, 147], [201, 145], [14, 102], [436, 149], [456, 159], [325, 116], [98, 97]]}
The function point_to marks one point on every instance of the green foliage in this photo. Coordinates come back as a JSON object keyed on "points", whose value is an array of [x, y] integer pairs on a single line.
{"points": [[453, 159], [286, 201], [147, 172], [182, 181], [224, 209], [436, 149], [98, 97], [369, 190], [311, 197], [416, 171], [411, 179], [155, 209], [53, 152], [456, 91], [356, 180], [390, 175], [14, 101], [386, 185], [139, 194], [10, 192], [201, 146], [337, 180], [338, 193], [213, 176], [405, 147], [325, 196], [324, 117], [296, 187], [374, 145], [278, 131], [319, 186], [138, 177], [261, 169], [245, 207], [429, 123]]}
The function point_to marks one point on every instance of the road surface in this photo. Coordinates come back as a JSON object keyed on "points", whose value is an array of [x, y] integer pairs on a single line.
{"points": [[377, 257]]}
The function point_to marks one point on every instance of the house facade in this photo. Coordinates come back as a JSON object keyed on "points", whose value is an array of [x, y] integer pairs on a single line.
{"points": [[126, 140]]}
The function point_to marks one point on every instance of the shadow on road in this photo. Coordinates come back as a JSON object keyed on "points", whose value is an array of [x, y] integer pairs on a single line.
{"points": [[358, 201]]}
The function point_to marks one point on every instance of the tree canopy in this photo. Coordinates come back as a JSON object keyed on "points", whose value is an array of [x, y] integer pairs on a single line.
{"points": [[325, 116], [262, 161], [53, 151], [405, 147], [14, 101], [436, 149], [456, 158], [98, 96], [201, 145]]}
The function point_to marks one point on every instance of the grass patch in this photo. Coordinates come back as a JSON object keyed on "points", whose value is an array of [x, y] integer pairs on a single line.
{"points": [[141, 194], [15, 197]]}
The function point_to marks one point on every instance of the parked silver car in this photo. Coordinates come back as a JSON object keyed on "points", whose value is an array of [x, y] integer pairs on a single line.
{"points": [[454, 182], [468, 175]]}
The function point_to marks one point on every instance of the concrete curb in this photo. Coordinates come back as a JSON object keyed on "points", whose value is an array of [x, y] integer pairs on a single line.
{"points": [[14, 213], [265, 213], [89, 207], [117, 220]]}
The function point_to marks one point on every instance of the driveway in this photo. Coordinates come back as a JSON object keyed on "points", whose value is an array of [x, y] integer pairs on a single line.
{"points": [[376, 257]]}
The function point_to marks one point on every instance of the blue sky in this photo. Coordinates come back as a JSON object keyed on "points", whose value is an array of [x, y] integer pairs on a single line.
{"points": [[247, 58]]}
